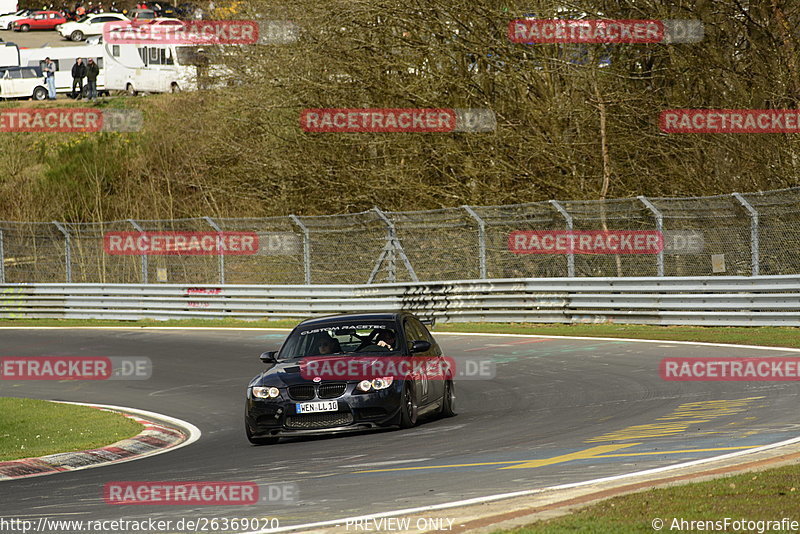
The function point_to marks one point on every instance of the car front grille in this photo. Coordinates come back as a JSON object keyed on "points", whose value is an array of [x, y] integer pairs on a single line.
{"points": [[332, 390], [319, 420], [301, 392]]}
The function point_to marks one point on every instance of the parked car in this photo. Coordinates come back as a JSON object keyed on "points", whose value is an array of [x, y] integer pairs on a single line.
{"points": [[162, 9], [39, 20], [139, 16], [22, 82], [7, 19], [88, 25]]}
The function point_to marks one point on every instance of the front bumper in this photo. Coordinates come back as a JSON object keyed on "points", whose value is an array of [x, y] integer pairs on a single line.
{"points": [[356, 411]]}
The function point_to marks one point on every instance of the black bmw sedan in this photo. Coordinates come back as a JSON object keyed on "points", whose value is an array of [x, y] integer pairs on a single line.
{"points": [[349, 372]]}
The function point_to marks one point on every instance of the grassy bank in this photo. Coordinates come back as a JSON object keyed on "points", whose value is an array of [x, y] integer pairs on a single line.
{"points": [[30, 428], [767, 495]]}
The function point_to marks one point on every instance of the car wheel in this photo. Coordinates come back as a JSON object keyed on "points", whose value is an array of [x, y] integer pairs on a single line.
{"points": [[409, 410], [77, 35], [259, 441], [24, 27], [449, 401], [130, 90], [174, 88], [40, 93]]}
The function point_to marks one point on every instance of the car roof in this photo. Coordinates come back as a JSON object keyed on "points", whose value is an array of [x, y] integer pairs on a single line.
{"points": [[355, 317]]}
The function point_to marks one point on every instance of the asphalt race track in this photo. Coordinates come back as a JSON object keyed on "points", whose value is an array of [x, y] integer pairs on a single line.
{"points": [[558, 411]]}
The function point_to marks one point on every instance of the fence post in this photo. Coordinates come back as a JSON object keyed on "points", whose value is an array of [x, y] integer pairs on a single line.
{"points": [[660, 227], [2, 260], [306, 247], [754, 260], [568, 218], [67, 251], [213, 225], [390, 242], [144, 256], [481, 238]]}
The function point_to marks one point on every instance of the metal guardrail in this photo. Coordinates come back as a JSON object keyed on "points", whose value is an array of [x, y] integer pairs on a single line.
{"points": [[721, 301]]}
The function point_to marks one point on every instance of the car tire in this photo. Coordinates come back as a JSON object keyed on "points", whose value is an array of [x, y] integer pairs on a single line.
{"points": [[449, 401], [174, 88], [77, 35], [259, 441], [409, 411], [130, 90], [39, 93], [24, 28]]}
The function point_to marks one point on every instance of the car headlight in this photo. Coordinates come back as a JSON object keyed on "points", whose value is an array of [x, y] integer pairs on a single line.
{"points": [[375, 384], [266, 393]]}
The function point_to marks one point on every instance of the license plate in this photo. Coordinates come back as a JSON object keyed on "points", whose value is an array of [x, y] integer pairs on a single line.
{"points": [[314, 407]]}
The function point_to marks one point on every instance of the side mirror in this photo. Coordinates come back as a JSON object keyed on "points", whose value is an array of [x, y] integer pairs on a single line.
{"points": [[420, 346], [269, 357]]}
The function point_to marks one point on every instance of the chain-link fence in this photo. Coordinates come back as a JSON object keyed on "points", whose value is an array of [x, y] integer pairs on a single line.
{"points": [[747, 234]]}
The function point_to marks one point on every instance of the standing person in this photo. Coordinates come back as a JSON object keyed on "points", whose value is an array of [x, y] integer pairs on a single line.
{"points": [[49, 70], [92, 70], [78, 74]]}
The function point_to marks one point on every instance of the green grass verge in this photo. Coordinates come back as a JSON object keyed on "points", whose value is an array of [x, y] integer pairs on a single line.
{"points": [[769, 336], [767, 495], [30, 428]]}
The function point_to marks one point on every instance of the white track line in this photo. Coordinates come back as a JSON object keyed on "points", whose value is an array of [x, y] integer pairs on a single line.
{"points": [[435, 333]]}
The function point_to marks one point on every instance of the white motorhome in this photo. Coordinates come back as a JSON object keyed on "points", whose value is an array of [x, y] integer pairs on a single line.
{"points": [[152, 68], [64, 57], [9, 55]]}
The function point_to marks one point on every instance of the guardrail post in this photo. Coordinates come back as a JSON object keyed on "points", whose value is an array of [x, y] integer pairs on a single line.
{"points": [[213, 225], [568, 218], [144, 256], [306, 247], [659, 226], [67, 251], [753, 233], [2, 260], [481, 238]]}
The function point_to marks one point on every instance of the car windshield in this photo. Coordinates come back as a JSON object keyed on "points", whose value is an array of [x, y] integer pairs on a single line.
{"points": [[340, 338], [83, 18]]}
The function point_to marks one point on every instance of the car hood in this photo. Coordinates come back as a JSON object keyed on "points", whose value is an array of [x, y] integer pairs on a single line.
{"points": [[288, 373]]}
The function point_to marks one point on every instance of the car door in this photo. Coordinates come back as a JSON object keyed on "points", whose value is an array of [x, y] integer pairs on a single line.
{"points": [[39, 21], [6, 84], [16, 80], [430, 387], [95, 26]]}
